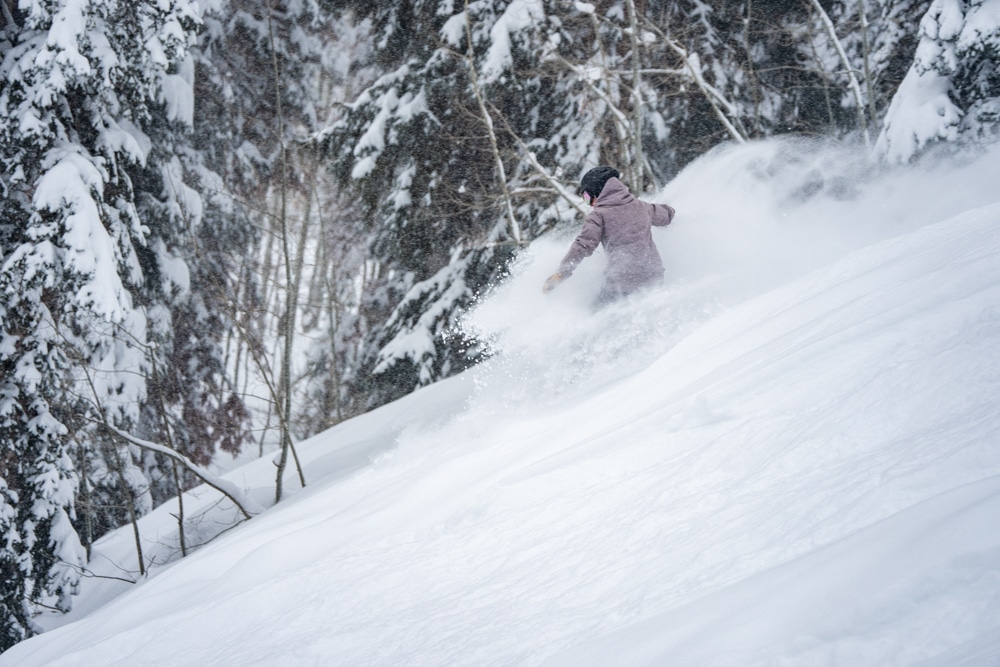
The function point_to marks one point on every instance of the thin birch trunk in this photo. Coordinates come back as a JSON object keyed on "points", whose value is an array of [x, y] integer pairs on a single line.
{"points": [[88, 501], [750, 68], [116, 462], [514, 227], [325, 269], [130, 497], [162, 409], [866, 48], [852, 79], [285, 379], [638, 160], [180, 510]]}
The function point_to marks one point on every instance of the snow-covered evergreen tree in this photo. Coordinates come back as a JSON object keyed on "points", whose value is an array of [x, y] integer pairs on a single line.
{"points": [[14, 615], [78, 80], [951, 92]]}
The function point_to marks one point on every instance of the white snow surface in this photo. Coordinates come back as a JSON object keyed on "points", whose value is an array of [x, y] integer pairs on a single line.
{"points": [[789, 455]]}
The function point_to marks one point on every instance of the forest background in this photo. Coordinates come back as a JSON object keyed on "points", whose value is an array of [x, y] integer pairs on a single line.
{"points": [[228, 225]]}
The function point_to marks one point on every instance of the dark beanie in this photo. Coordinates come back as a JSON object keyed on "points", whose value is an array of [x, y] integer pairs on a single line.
{"points": [[593, 181]]}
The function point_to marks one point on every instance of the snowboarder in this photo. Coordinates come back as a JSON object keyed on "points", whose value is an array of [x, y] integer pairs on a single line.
{"points": [[622, 224]]}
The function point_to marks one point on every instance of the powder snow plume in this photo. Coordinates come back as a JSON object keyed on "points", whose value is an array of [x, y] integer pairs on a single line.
{"points": [[749, 217]]}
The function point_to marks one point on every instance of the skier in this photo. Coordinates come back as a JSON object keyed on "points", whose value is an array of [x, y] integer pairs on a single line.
{"points": [[622, 224]]}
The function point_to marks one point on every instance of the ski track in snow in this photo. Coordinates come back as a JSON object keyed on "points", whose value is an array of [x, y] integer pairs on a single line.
{"points": [[760, 464]]}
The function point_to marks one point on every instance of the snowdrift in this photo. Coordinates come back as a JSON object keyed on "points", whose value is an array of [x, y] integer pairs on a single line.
{"points": [[790, 455]]}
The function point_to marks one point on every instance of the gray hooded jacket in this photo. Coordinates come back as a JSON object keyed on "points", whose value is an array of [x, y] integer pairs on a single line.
{"points": [[622, 224]]}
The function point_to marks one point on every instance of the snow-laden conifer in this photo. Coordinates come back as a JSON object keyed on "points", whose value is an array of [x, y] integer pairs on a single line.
{"points": [[951, 92], [78, 80]]}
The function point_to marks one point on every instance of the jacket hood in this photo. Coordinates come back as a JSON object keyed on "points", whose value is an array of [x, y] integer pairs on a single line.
{"points": [[614, 194]]}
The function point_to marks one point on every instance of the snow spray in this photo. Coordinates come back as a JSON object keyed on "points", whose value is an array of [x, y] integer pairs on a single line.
{"points": [[749, 218]]}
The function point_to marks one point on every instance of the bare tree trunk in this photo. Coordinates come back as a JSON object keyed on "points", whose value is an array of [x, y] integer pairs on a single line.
{"points": [[285, 379], [332, 403], [180, 510], [88, 502], [831, 117], [263, 431], [325, 268], [268, 272], [300, 251], [127, 490], [638, 161], [162, 409], [513, 227], [231, 340], [317, 281], [751, 71], [116, 462], [292, 309], [866, 48], [852, 79]]}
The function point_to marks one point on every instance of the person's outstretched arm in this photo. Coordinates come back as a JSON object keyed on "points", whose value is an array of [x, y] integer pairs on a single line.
{"points": [[583, 246], [663, 215]]}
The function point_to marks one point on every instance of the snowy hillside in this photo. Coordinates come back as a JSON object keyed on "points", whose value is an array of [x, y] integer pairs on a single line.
{"points": [[788, 455]]}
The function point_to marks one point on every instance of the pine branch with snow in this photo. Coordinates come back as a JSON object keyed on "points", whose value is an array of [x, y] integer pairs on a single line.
{"points": [[951, 92]]}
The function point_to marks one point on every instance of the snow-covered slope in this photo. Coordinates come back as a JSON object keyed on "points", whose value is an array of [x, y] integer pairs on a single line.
{"points": [[767, 462]]}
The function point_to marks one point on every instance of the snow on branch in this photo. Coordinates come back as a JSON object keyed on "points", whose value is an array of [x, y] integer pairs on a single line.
{"points": [[518, 15], [537, 166], [714, 97], [245, 504]]}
